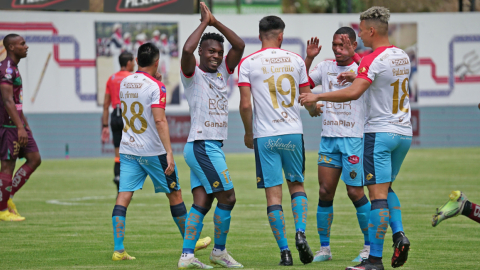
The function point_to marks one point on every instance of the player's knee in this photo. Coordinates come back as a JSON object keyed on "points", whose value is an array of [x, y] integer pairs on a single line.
{"points": [[326, 194], [355, 193], [34, 161], [175, 197], [228, 198]]}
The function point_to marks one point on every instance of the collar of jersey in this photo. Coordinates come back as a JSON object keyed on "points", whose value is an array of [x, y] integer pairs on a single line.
{"points": [[345, 65], [146, 74]]}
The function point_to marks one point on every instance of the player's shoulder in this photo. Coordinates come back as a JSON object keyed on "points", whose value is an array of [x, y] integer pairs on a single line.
{"points": [[251, 57], [376, 56]]}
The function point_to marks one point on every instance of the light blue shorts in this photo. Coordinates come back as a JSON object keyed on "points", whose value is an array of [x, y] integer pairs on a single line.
{"points": [[384, 155], [272, 154], [345, 154], [134, 171], [208, 167]]}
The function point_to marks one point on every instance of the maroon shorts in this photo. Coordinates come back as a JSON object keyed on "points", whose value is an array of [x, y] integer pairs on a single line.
{"points": [[9, 147]]}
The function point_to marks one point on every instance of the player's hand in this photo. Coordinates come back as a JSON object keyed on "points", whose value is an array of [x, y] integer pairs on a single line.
{"points": [[346, 77], [313, 49], [317, 111], [105, 134], [22, 137], [158, 76], [213, 20], [347, 44], [248, 138], [307, 98], [204, 13], [171, 164]]}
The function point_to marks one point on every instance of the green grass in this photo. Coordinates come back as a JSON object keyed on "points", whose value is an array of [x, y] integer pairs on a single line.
{"points": [[76, 231]]}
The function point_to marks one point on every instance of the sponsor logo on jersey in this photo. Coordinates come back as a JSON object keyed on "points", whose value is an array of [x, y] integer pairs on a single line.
{"points": [[353, 159], [476, 211], [280, 145], [353, 174], [363, 69], [216, 124], [173, 184], [162, 100], [284, 114], [369, 176], [385, 56], [284, 120], [8, 76], [132, 139], [133, 85], [164, 90], [276, 60], [216, 184], [219, 103], [339, 123], [400, 72], [399, 62], [9, 71], [256, 56], [259, 179], [332, 74]]}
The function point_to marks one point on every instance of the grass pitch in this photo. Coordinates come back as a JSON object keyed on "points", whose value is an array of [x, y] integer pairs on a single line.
{"points": [[68, 206]]}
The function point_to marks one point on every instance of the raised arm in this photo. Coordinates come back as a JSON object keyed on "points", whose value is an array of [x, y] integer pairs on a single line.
{"points": [[313, 49], [188, 61], [162, 128], [247, 114], [9, 104], [353, 92], [238, 45]]}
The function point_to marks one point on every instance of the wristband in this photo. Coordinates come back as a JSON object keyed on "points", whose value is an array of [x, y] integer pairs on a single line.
{"points": [[356, 58], [105, 126]]}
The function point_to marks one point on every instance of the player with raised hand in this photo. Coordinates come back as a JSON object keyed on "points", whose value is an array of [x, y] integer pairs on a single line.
{"points": [[16, 139], [112, 98], [383, 77], [206, 91], [275, 78], [341, 146], [145, 147]]}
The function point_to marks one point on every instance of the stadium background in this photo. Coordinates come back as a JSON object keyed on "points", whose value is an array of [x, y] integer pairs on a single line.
{"points": [[444, 49]]}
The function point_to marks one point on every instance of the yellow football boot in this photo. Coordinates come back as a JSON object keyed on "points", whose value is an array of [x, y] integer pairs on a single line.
{"points": [[203, 243], [7, 216], [117, 256], [12, 208]]}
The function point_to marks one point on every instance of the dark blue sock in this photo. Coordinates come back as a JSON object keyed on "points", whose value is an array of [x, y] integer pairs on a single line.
{"points": [[118, 221], [277, 223], [300, 210], [179, 214], [378, 225], [324, 221], [221, 219], [395, 212], [363, 207], [193, 228]]}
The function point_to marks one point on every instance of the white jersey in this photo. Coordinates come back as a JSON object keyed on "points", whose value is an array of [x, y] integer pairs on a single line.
{"points": [[339, 119], [139, 93], [275, 77], [208, 101], [387, 103]]}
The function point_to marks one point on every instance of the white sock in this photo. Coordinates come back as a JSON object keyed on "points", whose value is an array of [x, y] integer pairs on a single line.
{"points": [[186, 256], [218, 252]]}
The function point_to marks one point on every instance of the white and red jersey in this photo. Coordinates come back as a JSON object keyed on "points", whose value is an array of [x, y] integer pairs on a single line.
{"points": [[207, 98], [139, 93], [387, 103], [275, 77], [343, 119]]}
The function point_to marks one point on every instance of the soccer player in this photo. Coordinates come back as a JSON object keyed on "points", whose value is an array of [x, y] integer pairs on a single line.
{"points": [[275, 77], [16, 139], [206, 91], [145, 147], [388, 131], [341, 146], [456, 205], [112, 98]]}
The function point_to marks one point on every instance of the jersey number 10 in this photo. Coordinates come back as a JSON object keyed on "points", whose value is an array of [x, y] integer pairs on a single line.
{"points": [[273, 90], [396, 86], [130, 123]]}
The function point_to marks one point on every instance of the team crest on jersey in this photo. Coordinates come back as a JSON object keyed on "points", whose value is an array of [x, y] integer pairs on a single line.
{"points": [[352, 71], [353, 174], [164, 90], [219, 75]]}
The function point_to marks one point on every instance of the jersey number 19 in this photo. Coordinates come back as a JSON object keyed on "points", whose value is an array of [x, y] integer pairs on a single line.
{"points": [[273, 90]]}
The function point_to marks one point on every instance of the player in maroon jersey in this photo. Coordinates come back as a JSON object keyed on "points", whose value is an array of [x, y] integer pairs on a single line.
{"points": [[16, 139]]}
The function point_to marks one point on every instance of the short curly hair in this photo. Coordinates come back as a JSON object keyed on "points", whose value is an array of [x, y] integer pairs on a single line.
{"points": [[379, 14], [213, 36]]}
